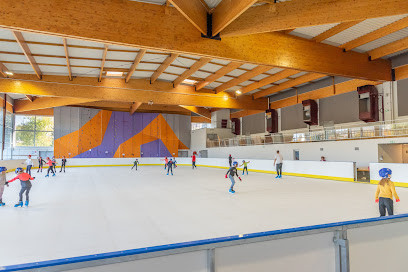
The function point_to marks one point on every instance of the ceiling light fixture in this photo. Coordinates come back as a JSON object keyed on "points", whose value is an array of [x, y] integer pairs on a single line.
{"points": [[9, 73], [238, 92], [189, 81], [114, 74], [225, 97]]}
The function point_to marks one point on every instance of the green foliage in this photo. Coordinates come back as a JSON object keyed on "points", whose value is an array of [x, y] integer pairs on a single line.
{"points": [[34, 130]]}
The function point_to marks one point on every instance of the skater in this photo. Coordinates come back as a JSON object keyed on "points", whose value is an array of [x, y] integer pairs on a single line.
{"points": [[193, 160], [175, 163], [29, 164], [63, 162], [386, 192], [230, 160], [166, 161], [245, 164], [40, 164], [50, 168], [230, 174], [170, 167], [278, 162], [3, 182], [135, 163], [54, 164], [25, 186]]}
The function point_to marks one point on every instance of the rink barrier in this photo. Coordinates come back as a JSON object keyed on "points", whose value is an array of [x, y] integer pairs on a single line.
{"points": [[206, 244], [399, 173]]}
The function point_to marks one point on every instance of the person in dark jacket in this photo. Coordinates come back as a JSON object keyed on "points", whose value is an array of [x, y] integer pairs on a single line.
{"points": [[230, 174]]}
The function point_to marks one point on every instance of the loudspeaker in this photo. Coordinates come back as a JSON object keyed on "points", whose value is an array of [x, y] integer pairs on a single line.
{"points": [[236, 126], [368, 103], [272, 121], [310, 112]]}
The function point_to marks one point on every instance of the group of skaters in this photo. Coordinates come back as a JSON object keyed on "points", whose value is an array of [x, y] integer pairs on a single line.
{"points": [[25, 177]]}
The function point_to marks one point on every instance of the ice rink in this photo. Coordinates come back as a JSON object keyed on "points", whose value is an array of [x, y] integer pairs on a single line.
{"points": [[95, 210]]}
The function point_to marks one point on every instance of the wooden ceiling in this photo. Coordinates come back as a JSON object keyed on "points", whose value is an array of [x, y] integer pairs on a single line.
{"points": [[256, 57]]}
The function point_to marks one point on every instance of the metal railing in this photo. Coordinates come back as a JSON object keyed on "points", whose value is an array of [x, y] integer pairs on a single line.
{"points": [[396, 128]]}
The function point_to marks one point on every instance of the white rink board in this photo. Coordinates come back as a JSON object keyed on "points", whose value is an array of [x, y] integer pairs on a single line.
{"points": [[399, 172], [316, 169]]}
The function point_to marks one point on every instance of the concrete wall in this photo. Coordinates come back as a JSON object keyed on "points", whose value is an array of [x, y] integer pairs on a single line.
{"points": [[333, 150], [292, 117], [252, 124], [402, 90], [341, 108]]}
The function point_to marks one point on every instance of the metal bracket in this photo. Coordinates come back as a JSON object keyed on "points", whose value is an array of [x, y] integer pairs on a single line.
{"points": [[342, 251], [211, 260], [209, 30]]}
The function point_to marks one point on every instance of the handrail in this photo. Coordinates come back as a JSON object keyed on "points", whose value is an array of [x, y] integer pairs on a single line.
{"points": [[206, 244]]}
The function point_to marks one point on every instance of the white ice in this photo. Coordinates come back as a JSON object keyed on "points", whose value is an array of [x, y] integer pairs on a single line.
{"points": [[95, 210]]}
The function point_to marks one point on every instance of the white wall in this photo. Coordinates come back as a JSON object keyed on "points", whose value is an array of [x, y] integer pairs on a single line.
{"points": [[332, 150]]}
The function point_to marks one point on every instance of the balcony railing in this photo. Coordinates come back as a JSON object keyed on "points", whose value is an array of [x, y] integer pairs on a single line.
{"points": [[396, 128]]}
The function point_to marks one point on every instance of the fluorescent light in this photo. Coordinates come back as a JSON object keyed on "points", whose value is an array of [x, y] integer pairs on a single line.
{"points": [[238, 92], [8, 73], [225, 97], [189, 81], [114, 74]]}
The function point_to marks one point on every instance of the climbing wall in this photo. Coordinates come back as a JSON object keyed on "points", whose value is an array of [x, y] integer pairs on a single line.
{"points": [[106, 134]]}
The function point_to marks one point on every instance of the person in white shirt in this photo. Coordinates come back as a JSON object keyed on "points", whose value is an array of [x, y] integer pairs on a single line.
{"points": [[278, 163], [29, 163]]}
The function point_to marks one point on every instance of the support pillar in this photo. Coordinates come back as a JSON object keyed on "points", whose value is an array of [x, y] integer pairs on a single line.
{"points": [[342, 251]]}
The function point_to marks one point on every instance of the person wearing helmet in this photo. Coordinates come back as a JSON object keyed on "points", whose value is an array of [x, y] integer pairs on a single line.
{"points": [[50, 167], [245, 164], [386, 193], [25, 186], [3, 182], [170, 164], [230, 174]]}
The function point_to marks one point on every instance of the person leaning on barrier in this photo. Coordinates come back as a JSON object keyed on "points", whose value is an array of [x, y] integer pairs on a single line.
{"points": [[386, 193]]}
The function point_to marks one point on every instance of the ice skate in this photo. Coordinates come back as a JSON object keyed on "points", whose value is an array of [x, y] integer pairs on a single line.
{"points": [[19, 204]]}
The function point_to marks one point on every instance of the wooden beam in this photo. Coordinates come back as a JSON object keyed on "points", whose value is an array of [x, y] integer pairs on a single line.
{"points": [[244, 113], [27, 52], [220, 73], [147, 26], [288, 84], [43, 112], [242, 78], [389, 49], [194, 68], [335, 30], [401, 72], [30, 98], [64, 40], [46, 102], [206, 113], [136, 62], [194, 11], [4, 70], [199, 119], [115, 89], [303, 13], [134, 107], [268, 80], [227, 11], [341, 88], [105, 52], [376, 34], [287, 31], [169, 60]]}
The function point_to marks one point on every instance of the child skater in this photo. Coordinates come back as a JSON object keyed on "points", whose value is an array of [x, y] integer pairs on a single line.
{"points": [[386, 192], [135, 163], [166, 161], [245, 164], [54, 164], [170, 167], [193, 160], [3, 182], [50, 168], [29, 164], [63, 162], [40, 164], [231, 173], [25, 185]]}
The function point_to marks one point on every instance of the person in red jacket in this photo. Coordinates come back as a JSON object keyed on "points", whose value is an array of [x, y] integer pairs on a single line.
{"points": [[50, 167], [25, 185], [193, 160]]}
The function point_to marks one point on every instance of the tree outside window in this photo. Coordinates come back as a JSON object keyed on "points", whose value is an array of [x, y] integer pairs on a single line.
{"points": [[33, 130]]}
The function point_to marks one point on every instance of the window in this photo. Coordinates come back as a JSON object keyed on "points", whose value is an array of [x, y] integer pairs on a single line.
{"points": [[33, 130], [195, 126]]}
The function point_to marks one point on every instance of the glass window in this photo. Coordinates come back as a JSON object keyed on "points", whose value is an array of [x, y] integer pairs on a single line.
{"points": [[31, 130]]}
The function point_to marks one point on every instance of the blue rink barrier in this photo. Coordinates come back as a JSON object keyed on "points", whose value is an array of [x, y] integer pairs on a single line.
{"points": [[96, 257]]}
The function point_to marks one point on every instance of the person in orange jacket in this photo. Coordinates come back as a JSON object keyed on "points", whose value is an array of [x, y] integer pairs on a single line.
{"points": [[386, 193], [25, 186]]}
